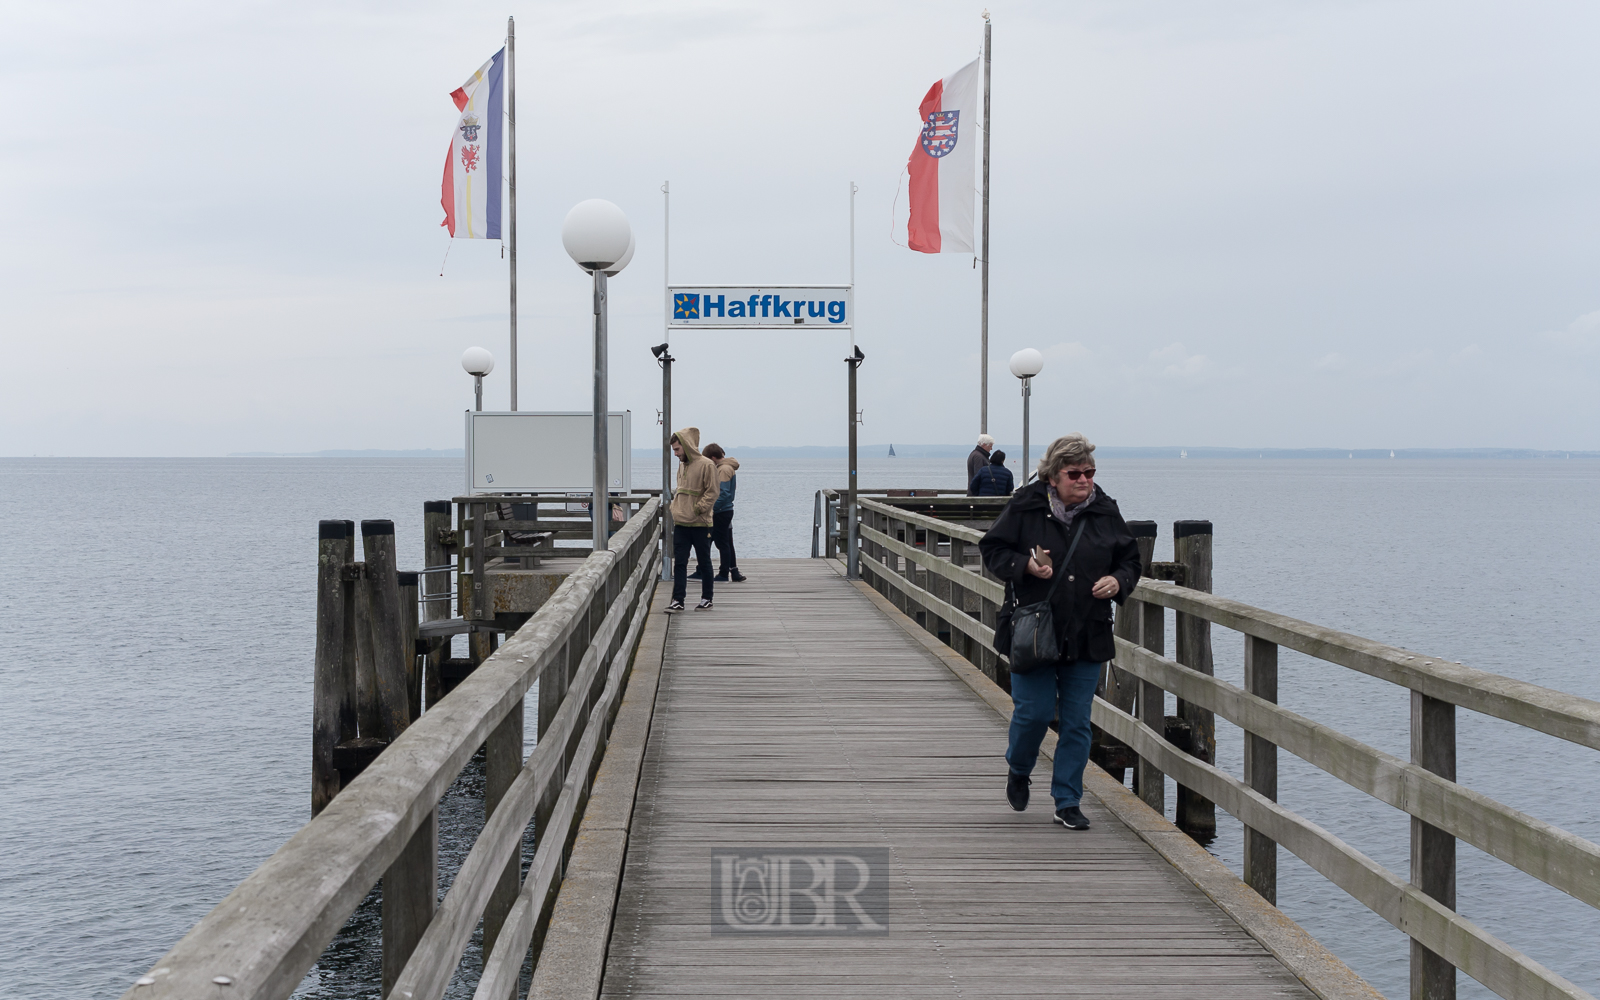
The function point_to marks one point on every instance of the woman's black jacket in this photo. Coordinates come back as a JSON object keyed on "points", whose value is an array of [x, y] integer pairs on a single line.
{"points": [[1107, 548]]}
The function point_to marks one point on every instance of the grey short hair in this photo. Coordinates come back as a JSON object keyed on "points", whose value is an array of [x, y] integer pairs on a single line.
{"points": [[1068, 449], [984, 439]]}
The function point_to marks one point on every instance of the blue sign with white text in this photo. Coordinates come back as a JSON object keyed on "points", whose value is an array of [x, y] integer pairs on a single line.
{"points": [[759, 307]]}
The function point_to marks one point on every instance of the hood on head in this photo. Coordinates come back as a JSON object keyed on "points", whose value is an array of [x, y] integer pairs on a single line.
{"points": [[730, 462], [689, 437]]}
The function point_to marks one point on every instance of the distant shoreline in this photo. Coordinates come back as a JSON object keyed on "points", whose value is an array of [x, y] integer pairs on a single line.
{"points": [[960, 451]]}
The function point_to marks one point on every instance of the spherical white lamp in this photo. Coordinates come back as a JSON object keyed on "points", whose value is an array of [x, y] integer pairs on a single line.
{"points": [[477, 361], [1027, 363], [596, 234], [615, 269]]}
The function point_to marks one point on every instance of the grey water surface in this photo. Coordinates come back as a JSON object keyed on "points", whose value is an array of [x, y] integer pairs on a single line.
{"points": [[159, 617]]}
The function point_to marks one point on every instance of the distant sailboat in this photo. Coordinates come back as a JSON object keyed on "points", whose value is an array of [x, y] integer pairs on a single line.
{"points": [[1183, 454], [1391, 452], [891, 451]]}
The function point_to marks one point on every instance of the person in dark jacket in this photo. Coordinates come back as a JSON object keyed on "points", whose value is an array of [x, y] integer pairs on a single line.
{"points": [[993, 480], [978, 458], [1045, 514], [722, 513]]}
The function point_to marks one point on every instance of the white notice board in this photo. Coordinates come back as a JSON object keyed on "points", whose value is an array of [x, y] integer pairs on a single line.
{"points": [[533, 452]]}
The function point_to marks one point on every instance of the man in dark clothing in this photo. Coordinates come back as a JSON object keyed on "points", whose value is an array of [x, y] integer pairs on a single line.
{"points": [[978, 459], [993, 480]]}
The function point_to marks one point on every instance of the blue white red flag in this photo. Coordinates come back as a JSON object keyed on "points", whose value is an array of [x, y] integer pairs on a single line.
{"points": [[471, 190], [942, 165]]}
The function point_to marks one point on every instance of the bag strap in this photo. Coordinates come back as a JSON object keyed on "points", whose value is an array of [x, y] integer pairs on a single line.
{"points": [[1066, 561]]}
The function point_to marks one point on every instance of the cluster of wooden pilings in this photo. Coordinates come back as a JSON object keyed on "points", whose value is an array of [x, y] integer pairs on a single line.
{"points": [[374, 673]]}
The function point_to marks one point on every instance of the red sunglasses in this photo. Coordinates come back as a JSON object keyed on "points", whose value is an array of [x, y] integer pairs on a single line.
{"points": [[1077, 474]]}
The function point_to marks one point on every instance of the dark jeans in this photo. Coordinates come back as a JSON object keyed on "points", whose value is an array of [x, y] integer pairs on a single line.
{"points": [[1063, 691], [682, 538], [722, 535]]}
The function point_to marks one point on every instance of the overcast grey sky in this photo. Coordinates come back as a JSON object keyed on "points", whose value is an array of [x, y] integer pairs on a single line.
{"points": [[1348, 224]]}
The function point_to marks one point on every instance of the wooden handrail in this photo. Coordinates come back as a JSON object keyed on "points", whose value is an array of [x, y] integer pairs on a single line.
{"points": [[1556, 713], [1468, 947], [1554, 856], [268, 932], [1545, 851]]}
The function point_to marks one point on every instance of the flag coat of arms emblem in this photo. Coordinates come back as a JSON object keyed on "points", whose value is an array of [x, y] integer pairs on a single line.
{"points": [[943, 167], [471, 189]]}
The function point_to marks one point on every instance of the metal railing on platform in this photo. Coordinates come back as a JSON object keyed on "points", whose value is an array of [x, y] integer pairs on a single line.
{"points": [[260, 941], [930, 568]]}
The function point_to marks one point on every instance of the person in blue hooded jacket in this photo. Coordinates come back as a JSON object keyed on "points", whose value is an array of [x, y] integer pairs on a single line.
{"points": [[993, 480], [722, 514]]}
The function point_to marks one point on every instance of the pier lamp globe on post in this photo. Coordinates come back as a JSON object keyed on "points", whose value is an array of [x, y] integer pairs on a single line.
{"points": [[1025, 364], [597, 236], [478, 363]]}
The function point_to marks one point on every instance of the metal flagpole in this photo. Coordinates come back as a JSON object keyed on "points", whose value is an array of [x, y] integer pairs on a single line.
{"points": [[852, 567], [983, 419], [511, 123], [666, 382]]}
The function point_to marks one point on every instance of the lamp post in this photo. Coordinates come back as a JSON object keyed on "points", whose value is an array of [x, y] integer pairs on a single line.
{"points": [[597, 236], [852, 554], [1025, 364], [478, 363]]}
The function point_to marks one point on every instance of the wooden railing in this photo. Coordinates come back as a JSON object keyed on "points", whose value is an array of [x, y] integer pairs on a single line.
{"points": [[260, 941], [930, 569]]}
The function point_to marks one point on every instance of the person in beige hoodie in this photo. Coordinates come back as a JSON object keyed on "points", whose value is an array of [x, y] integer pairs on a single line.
{"points": [[692, 501]]}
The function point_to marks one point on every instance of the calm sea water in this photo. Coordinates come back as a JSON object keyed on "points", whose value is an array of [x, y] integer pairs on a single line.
{"points": [[155, 721]]}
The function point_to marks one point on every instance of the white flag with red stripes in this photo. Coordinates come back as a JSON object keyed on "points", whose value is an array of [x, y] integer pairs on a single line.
{"points": [[943, 167]]}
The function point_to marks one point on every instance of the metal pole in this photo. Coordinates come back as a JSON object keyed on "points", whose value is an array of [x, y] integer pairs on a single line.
{"points": [[666, 382], [983, 417], [852, 567], [1027, 393], [477, 388], [599, 508], [511, 127]]}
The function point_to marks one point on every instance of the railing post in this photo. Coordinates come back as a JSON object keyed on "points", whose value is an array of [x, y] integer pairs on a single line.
{"points": [[410, 895], [1261, 768], [816, 527], [480, 542], [1122, 688], [329, 687], [1191, 542], [408, 643], [1152, 707], [829, 528], [502, 763], [377, 545], [1433, 851], [435, 531]]}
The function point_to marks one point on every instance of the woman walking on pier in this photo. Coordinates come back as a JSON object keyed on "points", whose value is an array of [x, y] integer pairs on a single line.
{"points": [[1061, 540]]}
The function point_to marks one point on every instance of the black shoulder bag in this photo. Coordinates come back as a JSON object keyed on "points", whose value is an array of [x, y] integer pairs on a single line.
{"points": [[1033, 628]]}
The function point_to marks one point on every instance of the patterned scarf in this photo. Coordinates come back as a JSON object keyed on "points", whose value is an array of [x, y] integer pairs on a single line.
{"points": [[1060, 511]]}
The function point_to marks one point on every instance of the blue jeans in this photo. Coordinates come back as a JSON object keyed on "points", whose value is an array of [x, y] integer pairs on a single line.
{"points": [[1037, 697]]}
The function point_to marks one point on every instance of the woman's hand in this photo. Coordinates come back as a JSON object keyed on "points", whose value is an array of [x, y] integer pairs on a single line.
{"points": [[1106, 586], [1042, 572]]}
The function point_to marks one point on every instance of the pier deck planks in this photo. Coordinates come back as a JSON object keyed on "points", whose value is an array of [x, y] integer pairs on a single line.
{"points": [[796, 714]]}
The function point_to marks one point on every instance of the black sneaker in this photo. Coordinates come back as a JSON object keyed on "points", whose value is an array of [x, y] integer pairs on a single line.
{"points": [[1072, 818], [704, 605], [720, 578], [1017, 790], [675, 606], [738, 577]]}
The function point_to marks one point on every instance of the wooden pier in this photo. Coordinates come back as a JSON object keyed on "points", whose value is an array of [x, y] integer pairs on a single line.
{"points": [[800, 792]]}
